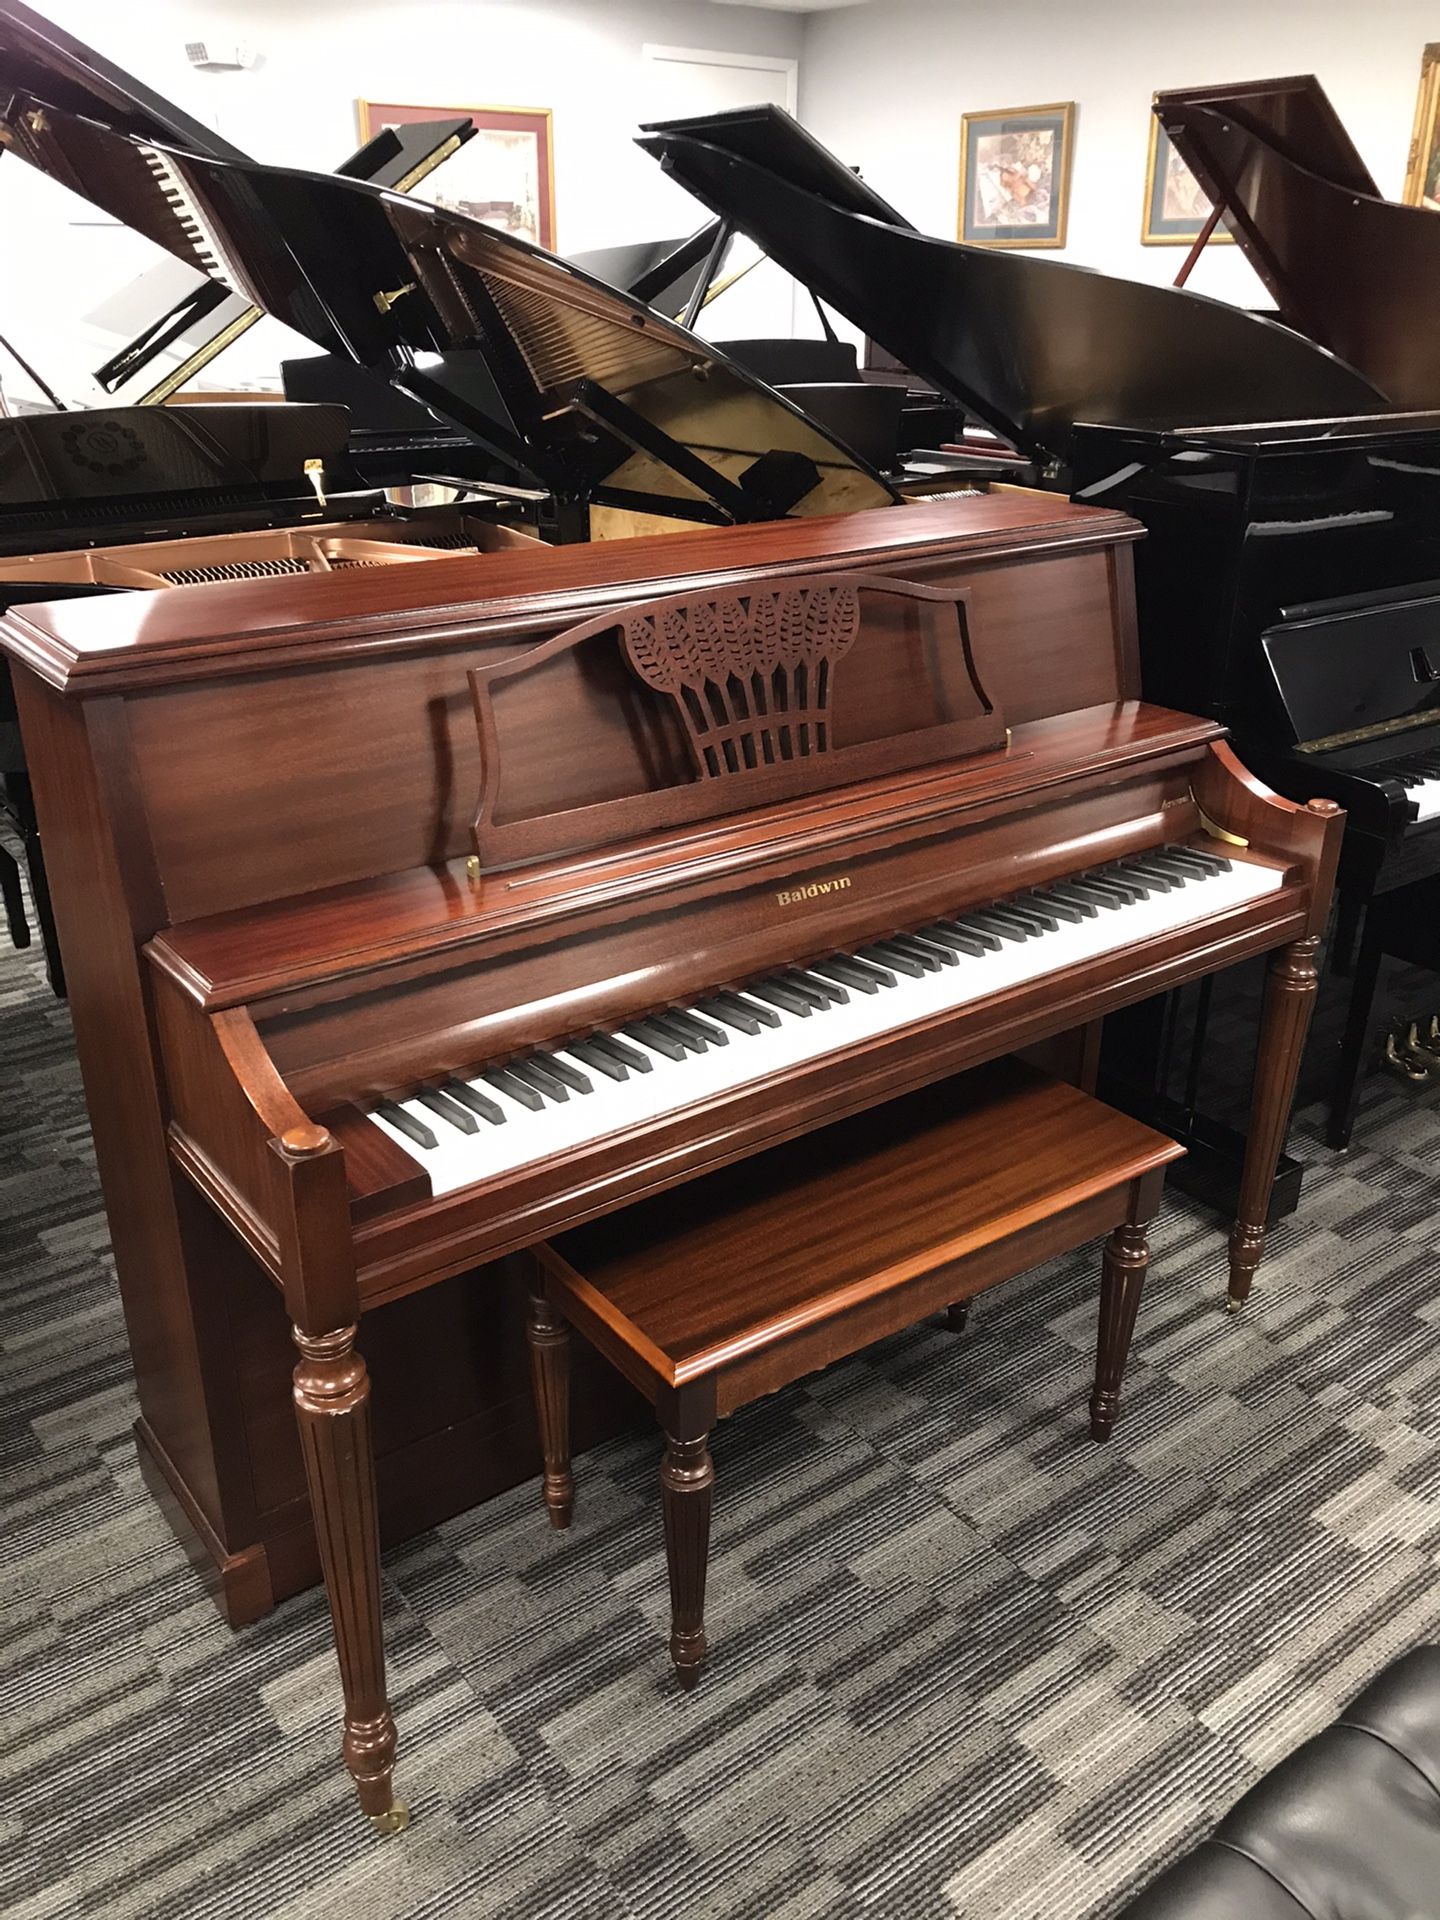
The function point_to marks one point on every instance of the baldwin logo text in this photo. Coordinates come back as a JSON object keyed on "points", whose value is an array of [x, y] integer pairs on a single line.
{"points": [[793, 896]]}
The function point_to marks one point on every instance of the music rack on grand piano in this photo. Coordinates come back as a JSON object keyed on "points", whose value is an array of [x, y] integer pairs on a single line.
{"points": [[429, 910]]}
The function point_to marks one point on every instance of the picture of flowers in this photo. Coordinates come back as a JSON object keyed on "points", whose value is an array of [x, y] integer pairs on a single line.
{"points": [[1015, 176], [504, 175], [1422, 175]]}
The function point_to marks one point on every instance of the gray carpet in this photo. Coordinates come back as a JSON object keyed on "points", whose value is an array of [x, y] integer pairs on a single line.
{"points": [[966, 1663]]}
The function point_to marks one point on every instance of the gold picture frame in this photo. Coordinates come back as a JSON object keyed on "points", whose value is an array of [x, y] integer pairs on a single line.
{"points": [[1422, 166], [1162, 223], [521, 142], [1006, 150]]}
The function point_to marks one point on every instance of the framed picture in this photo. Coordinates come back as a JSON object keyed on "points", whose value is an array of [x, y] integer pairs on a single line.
{"points": [[1175, 207], [1422, 174], [504, 175], [1015, 176]]}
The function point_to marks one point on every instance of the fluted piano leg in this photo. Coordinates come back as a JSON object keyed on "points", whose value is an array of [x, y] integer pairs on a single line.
{"points": [[332, 1406], [1126, 1261], [687, 1477], [549, 1339], [1289, 1001]]}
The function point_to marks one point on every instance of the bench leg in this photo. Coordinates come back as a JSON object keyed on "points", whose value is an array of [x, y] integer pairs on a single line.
{"points": [[332, 1406], [687, 1477], [549, 1339], [957, 1316], [1126, 1259]]}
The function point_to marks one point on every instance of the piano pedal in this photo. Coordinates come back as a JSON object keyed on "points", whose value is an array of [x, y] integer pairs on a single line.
{"points": [[1423, 1040], [1399, 1060]]}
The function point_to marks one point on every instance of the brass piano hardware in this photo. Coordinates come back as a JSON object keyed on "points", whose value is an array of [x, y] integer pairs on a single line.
{"points": [[315, 474], [472, 867], [1401, 723], [395, 1821], [795, 896], [35, 120], [1215, 830], [385, 301]]}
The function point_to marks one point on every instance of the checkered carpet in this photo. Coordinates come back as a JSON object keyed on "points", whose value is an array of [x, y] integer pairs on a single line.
{"points": [[965, 1662]]}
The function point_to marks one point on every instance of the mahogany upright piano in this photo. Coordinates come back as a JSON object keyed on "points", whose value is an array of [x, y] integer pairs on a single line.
{"points": [[403, 906]]}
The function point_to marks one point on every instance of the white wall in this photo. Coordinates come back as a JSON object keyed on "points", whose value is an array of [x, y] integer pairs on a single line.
{"points": [[580, 58], [885, 86]]}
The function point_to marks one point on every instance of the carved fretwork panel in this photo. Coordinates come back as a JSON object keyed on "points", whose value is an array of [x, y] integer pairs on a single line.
{"points": [[750, 673], [628, 723]]}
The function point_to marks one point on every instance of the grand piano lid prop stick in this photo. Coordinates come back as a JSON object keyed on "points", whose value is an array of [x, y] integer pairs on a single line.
{"points": [[755, 852]]}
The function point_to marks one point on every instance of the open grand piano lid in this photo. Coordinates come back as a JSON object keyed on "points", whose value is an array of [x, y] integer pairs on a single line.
{"points": [[1354, 271], [1029, 346], [607, 403]]}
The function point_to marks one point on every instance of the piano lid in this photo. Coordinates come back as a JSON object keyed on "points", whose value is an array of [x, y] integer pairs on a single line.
{"points": [[191, 332], [1351, 270], [1029, 346], [608, 403]]}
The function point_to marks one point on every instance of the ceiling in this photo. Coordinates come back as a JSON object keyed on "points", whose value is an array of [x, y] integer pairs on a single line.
{"points": [[793, 6]]}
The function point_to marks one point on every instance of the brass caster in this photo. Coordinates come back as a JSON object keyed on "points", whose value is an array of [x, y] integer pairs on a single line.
{"points": [[1423, 1045], [1232, 1305], [396, 1820]]}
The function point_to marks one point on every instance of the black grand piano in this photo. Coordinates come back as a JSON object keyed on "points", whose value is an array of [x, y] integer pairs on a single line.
{"points": [[584, 412], [1287, 469]]}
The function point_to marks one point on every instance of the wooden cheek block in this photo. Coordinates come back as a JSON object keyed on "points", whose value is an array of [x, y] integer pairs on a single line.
{"points": [[715, 1293]]}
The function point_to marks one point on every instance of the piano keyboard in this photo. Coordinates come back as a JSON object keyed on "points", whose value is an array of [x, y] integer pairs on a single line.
{"points": [[1420, 777], [473, 1128]]}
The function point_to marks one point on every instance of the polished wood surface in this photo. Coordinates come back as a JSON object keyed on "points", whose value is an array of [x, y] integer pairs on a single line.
{"points": [[261, 812], [744, 1283]]}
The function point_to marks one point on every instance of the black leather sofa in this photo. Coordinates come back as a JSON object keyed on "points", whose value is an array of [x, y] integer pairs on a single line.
{"points": [[1347, 1828]]}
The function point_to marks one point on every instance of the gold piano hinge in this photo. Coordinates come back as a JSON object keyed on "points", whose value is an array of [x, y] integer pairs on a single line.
{"points": [[1403, 723], [1215, 830], [472, 867], [385, 301], [35, 120], [315, 474], [1008, 738]]}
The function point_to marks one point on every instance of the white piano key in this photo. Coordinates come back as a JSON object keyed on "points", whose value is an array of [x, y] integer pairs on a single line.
{"points": [[1427, 798], [673, 1086]]}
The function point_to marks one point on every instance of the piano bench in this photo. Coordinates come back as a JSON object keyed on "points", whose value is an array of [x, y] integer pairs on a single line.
{"points": [[718, 1292]]}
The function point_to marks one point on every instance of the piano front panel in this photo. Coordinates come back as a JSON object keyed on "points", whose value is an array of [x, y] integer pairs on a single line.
{"points": [[371, 765]]}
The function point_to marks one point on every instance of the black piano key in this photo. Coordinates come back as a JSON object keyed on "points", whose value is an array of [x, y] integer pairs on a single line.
{"points": [[1012, 926], [942, 949], [851, 973], [562, 1070], [597, 1061], [972, 928], [1097, 896], [1148, 876], [835, 994], [813, 990], [622, 1052], [903, 943], [667, 1022], [480, 1103], [405, 1123], [1062, 909], [900, 962], [1162, 861], [1074, 896], [705, 1030], [990, 922], [956, 941], [1208, 860], [459, 1117], [779, 995], [1032, 904], [1124, 892], [765, 1015], [733, 1015], [537, 1078], [1115, 876], [514, 1089], [651, 1036]]}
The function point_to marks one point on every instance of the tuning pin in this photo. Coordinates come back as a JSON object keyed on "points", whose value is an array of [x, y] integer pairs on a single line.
{"points": [[1403, 1064]]}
